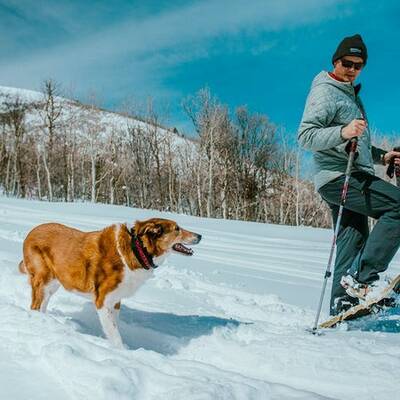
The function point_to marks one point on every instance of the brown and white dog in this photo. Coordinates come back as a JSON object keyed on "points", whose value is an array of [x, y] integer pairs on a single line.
{"points": [[107, 265]]}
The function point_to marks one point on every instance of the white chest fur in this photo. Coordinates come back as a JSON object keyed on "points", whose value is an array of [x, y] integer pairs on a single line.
{"points": [[131, 282]]}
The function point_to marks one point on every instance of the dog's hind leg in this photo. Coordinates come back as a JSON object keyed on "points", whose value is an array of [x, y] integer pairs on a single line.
{"points": [[49, 290], [37, 285], [40, 278]]}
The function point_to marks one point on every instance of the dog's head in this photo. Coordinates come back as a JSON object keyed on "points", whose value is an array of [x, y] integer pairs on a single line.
{"points": [[160, 236]]}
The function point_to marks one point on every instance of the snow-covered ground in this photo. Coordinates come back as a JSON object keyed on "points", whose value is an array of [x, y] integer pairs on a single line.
{"points": [[228, 323]]}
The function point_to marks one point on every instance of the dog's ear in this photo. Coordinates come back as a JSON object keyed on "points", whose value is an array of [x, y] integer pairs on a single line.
{"points": [[153, 229]]}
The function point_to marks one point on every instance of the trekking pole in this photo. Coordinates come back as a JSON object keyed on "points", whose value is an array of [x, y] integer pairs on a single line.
{"points": [[328, 273], [397, 170]]}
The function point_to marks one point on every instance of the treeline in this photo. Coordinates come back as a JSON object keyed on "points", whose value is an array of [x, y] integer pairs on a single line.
{"points": [[236, 168]]}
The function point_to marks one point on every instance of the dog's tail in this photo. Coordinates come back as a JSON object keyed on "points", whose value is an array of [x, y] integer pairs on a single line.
{"points": [[21, 267]]}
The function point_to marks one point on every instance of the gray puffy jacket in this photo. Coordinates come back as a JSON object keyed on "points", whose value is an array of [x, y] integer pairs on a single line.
{"points": [[330, 106]]}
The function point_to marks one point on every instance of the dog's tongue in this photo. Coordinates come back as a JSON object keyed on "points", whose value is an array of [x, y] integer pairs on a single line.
{"points": [[180, 248]]}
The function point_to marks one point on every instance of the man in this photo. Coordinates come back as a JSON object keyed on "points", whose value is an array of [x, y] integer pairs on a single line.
{"points": [[333, 115]]}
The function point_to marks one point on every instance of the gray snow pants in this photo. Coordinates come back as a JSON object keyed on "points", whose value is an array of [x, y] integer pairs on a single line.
{"points": [[358, 252]]}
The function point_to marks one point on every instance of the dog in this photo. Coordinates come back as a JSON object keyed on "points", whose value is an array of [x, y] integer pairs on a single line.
{"points": [[107, 265]]}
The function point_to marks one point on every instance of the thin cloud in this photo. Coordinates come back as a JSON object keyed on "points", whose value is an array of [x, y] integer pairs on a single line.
{"points": [[181, 31]]}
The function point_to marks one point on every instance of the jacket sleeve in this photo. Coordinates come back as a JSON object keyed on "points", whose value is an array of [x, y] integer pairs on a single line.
{"points": [[377, 155], [315, 132]]}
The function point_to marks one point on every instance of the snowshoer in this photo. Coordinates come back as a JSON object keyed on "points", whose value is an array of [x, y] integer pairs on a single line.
{"points": [[333, 115]]}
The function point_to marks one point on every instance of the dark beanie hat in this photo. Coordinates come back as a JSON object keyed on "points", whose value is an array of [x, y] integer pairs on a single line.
{"points": [[351, 46]]}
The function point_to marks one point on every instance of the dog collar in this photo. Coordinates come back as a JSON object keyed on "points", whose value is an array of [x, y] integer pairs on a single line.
{"points": [[145, 259]]}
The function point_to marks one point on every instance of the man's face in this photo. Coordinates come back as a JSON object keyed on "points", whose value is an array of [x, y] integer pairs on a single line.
{"points": [[346, 68]]}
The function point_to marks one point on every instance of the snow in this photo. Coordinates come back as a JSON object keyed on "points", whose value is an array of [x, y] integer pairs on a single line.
{"points": [[23, 94], [228, 323]]}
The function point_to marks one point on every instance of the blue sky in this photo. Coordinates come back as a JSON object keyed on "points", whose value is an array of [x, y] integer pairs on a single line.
{"points": [[262, 54]]}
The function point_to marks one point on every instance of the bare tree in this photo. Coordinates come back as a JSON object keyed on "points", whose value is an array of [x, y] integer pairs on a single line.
{"points": [[12, 119], [50, 110]]}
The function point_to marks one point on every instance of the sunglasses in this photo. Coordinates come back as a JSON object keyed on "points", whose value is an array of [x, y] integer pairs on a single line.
{"points": [[350, 64]]}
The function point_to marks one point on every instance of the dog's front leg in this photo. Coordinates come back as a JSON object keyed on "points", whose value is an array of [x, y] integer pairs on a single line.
{"points": [[107, 316]]}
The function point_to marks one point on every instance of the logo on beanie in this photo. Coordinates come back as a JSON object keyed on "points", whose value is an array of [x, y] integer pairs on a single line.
{"points": [[355, 50]]}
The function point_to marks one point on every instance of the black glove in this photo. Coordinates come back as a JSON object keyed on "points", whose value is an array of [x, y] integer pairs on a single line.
{"points": [[393, 169]]}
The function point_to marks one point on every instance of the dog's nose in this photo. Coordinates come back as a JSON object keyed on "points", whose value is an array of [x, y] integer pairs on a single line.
{"points": [[198, 238]]}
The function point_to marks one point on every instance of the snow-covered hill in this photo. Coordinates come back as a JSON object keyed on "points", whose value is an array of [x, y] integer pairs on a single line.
{"points": [[75, 115], [228, 323]]}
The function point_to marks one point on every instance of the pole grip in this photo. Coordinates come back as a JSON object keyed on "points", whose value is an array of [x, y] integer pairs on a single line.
{"points": [[353, 144]]}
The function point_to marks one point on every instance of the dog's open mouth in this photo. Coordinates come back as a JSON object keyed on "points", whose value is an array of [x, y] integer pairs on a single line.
{"points": [[180, 248]]}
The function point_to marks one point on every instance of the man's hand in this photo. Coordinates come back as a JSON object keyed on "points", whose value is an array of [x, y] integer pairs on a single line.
{"points": [[387, 158], [354, 129]]}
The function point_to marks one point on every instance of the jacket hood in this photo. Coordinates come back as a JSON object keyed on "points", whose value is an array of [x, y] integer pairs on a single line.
{"points": [[323, 78]]}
